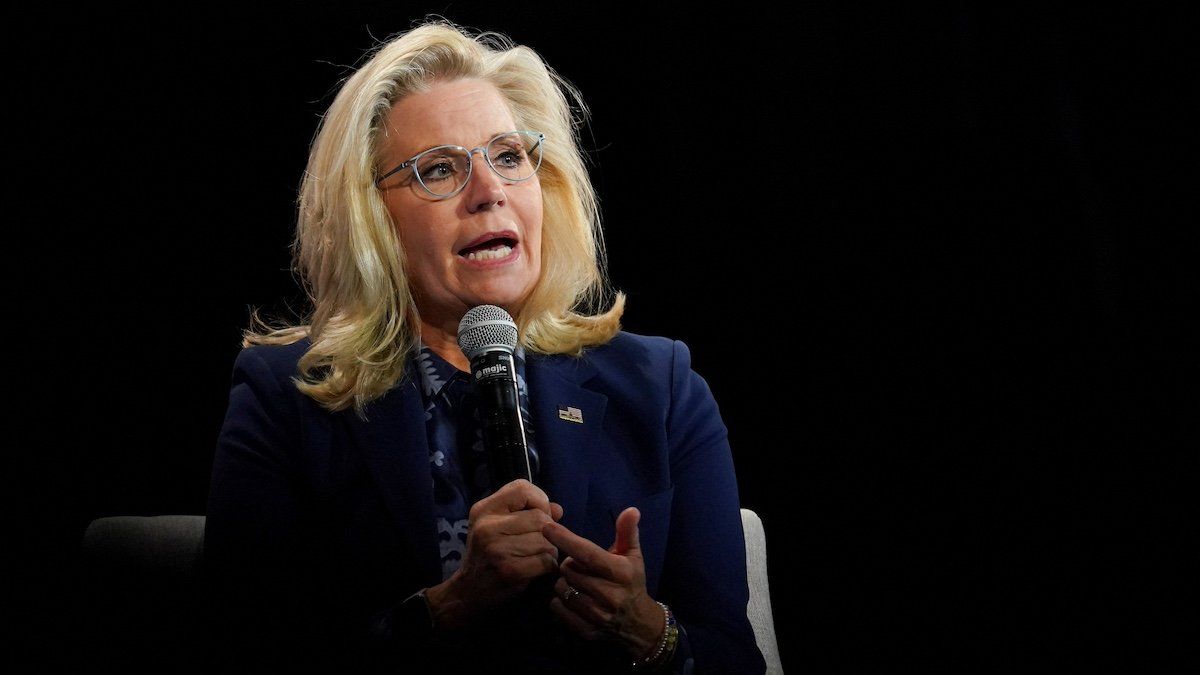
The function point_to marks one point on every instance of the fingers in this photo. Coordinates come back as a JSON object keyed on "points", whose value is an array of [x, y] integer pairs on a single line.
{"points": [[518, 495], [573, 621], [598, 599], [520, 522], [484, 582], [496, 566], [506, 550], [579, 608], [524, 569], [497, 546], [586, 554], [601, 594], [494, 541], [627, 542]]}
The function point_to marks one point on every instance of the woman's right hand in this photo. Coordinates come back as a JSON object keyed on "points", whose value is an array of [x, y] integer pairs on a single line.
{"points": [[505, 552]]}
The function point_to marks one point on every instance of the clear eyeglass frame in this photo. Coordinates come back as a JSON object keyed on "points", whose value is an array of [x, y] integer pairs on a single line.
{"points": [[412, 162]]}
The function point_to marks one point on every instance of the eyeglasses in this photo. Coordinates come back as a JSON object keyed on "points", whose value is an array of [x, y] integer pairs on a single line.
{"points": [[444, 171]]}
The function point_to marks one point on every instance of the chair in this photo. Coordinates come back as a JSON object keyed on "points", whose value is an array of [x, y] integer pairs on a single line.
{"points": [[142, 597], [759, 607], [150, 565], [169, 546]]}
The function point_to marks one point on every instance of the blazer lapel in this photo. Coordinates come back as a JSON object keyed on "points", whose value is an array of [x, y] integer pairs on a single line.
{"points": [[566, 420], [394, 443]]}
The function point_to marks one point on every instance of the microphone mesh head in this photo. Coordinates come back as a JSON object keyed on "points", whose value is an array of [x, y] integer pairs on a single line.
{"points": [[486, 327]]}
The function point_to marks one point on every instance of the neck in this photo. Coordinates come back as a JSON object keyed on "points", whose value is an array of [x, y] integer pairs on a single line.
{"points": [[442, 339]]}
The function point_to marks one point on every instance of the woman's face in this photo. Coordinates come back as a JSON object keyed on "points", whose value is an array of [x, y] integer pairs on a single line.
{"points": [[489, 213]]}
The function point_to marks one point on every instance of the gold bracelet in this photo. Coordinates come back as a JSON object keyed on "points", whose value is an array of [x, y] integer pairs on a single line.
{"points": [[666, 646]]}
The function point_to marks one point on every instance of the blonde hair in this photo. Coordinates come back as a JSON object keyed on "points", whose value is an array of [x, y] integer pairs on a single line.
{"points": [[364, 323]]}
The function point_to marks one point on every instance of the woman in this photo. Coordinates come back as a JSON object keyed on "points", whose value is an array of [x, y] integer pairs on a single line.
{"points": [[350, 524]]}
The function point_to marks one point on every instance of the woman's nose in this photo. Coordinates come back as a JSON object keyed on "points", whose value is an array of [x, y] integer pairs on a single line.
{"points": [[484, 188]]}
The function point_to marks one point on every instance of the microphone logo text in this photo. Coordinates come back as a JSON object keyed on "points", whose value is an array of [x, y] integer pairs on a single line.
{"points": [[497, 369]]}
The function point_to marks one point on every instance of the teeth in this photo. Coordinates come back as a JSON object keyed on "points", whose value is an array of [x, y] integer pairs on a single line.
{"points": [[500, 251]]}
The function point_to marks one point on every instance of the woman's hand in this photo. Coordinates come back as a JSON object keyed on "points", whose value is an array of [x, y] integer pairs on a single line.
{"points": [[611, 602], [506, 550]]}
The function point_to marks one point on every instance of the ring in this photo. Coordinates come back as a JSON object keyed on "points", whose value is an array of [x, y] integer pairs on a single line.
{"points": [[571, 593]]}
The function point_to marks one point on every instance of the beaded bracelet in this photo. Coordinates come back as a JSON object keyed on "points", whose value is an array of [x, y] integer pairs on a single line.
{"points": [[666, 646]]}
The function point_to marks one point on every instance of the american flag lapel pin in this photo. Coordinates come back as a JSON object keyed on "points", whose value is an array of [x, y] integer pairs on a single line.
{"points": [[566, 412]]}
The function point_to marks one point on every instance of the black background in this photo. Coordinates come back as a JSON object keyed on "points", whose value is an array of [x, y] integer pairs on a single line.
{"points": [[936, 266]]}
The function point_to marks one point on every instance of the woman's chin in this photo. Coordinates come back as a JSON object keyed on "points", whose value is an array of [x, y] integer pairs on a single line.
{"points": [[507, 299], [450, 308], [512, 306]]}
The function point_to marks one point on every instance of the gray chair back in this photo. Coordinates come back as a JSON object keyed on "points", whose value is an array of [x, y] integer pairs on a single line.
{"points": [[167, 546], [759, 607], [142, 594]]}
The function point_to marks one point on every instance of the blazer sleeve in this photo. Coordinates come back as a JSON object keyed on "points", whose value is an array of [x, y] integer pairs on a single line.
{"points": [[269, 590], [704, 575]]}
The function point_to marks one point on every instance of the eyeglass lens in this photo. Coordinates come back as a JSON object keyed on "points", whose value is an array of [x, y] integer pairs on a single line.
{"points": [[514, 156]]}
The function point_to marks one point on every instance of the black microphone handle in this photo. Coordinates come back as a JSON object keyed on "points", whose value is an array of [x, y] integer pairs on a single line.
{"points": [[495, 381]]}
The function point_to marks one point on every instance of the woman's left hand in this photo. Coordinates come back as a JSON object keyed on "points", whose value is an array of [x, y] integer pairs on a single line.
{"points": [[611, 602]]}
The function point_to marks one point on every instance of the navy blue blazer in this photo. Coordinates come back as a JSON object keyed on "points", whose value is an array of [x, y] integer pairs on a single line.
{"points": [[320, 523]]}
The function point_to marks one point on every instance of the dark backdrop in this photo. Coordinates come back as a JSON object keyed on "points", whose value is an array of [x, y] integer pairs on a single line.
{"points": [[934, 265]]}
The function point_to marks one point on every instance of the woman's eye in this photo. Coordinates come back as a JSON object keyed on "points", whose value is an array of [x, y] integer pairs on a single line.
{"points": [[511, 158], [439, 171]]}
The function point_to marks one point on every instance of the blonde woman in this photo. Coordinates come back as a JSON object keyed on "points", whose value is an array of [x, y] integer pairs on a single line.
{"points": [[350, 521]]}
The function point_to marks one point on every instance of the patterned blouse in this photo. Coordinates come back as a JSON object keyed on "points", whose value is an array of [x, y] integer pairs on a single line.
{"points": [[457, 460]]}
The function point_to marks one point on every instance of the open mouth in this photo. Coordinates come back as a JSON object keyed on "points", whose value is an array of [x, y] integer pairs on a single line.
{"points": [[490, 249]]}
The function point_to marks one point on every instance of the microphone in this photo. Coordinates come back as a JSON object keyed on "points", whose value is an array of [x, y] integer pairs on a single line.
{"points": [[487, 336]]}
